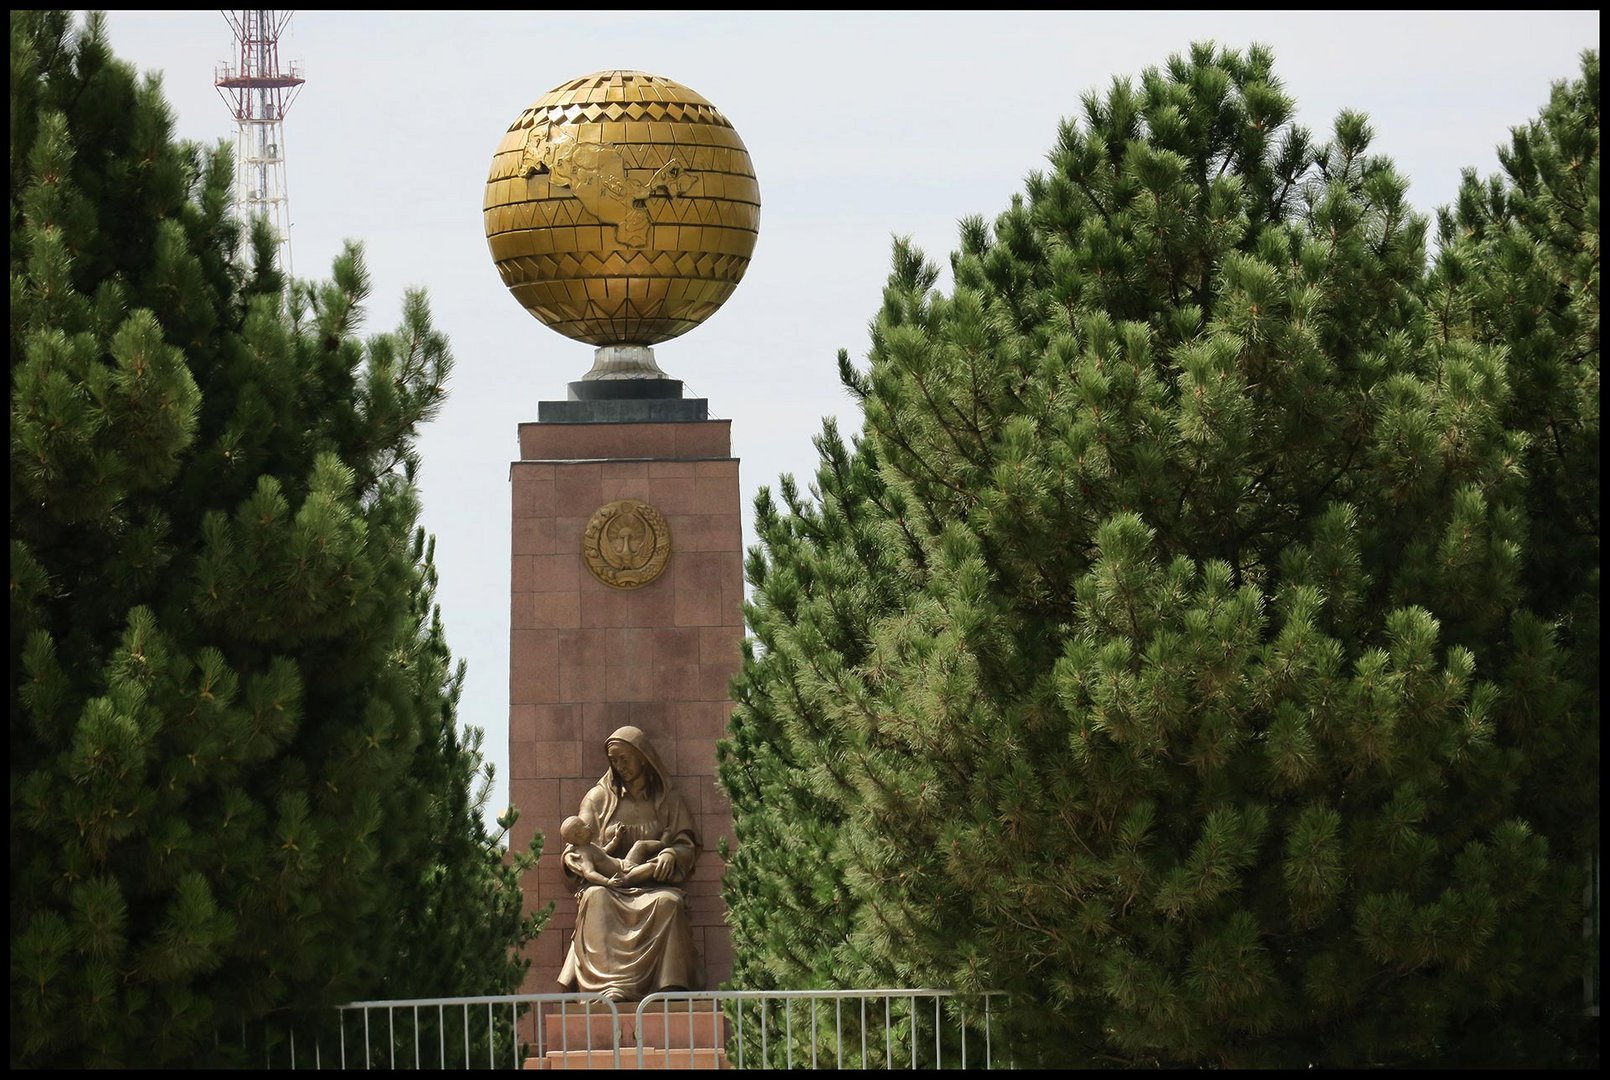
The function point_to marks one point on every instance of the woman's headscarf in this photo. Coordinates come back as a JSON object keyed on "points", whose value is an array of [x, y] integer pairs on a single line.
{"points": [[638, 740]]}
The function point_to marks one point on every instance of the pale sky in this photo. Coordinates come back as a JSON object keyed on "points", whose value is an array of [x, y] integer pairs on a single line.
{"points": [[861, 126]]}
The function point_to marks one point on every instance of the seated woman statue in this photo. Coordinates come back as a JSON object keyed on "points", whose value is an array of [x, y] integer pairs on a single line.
{"points": [[632, 932]]}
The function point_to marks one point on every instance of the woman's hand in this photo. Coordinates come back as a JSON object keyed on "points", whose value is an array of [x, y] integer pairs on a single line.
{"points": [[664, 865]]}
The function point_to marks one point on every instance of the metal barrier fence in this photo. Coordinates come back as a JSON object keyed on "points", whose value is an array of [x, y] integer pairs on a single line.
{"points": [[799, 1029], [744, 1029]]}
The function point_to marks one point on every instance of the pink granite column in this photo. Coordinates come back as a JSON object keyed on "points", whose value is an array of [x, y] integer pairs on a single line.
{"points": [[585, 658]]}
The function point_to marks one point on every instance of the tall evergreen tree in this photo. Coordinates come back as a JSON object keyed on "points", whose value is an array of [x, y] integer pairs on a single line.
{"points": [[1172, 648], [1518, 267], [237, 783]]}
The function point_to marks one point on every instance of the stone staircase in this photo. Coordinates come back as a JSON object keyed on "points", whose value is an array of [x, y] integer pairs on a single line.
{"points": [[684, 1035]]}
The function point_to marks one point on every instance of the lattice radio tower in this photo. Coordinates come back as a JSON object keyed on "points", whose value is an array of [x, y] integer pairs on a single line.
{"points": [[259, 94]]}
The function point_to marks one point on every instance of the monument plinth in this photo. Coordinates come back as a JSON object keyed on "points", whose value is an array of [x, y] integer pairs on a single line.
{"points": [[621, 210]]}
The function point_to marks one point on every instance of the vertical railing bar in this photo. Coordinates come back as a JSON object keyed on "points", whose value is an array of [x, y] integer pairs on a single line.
{"points": [[491, 1062], [988, 1062], [838, 1031], [466, 1034], [888, 1033], [788, 1031], [964, 1036], [343, 1014], [416, 1037], [911, 1011], [366, 1063], [863, 1031], [765, 1054], [514, 1032], [665, 1023], [441, 1032], [391, 1033], [937, 1059], [813, 1033], [293, 1044], [614, 1033]]}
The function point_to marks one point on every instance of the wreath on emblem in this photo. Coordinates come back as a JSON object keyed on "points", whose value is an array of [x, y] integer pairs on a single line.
{"points": [[626, 543]]}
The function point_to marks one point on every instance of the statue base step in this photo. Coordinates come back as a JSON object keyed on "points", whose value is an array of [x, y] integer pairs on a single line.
{"points": [[686, 1058], [678, 1035]]}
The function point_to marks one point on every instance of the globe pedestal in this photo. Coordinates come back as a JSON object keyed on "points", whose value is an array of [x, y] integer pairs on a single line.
{"points": [[586, 657]]}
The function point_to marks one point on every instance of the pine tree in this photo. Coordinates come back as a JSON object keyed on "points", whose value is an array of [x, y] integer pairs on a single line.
{"points": [[461, 924], [237, 782], [1169, 649], [1518, 267]]}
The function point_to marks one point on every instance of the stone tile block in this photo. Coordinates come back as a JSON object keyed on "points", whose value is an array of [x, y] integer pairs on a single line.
{"points": [[598, 720], [532, 536], [572, 788], [651, 605], [673, 497], [652, 717], [624, 470], [553, 759], [732, 599], [560, 572], [715, 495], [545, 610], [538, 800], [530, 492], [710, 439], [681, 682], [530, 472], [523, 722], [533, 667], [522, 574], [556, 723], [567, 530], [577, 489], [584, 680], [698, 607], [721, 645]]}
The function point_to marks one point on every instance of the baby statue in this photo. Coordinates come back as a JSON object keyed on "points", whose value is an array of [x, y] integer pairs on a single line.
{"points": [[599, 867]]}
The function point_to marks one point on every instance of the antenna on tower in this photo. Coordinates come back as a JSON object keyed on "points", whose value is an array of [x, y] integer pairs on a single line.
{"points": [[259, 94]]}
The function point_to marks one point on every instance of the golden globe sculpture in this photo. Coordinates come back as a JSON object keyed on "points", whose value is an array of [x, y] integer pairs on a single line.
{"points": [[621, 210]]}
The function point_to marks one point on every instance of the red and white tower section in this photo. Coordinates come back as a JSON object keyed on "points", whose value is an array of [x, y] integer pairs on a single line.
{"points": [[259, 93]]}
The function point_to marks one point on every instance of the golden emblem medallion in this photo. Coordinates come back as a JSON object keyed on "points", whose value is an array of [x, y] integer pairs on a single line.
{"points": [[626, 543]]}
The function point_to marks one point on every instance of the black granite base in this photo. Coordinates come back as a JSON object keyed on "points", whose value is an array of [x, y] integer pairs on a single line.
{"points": [[623, 411], [623, 401]]}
